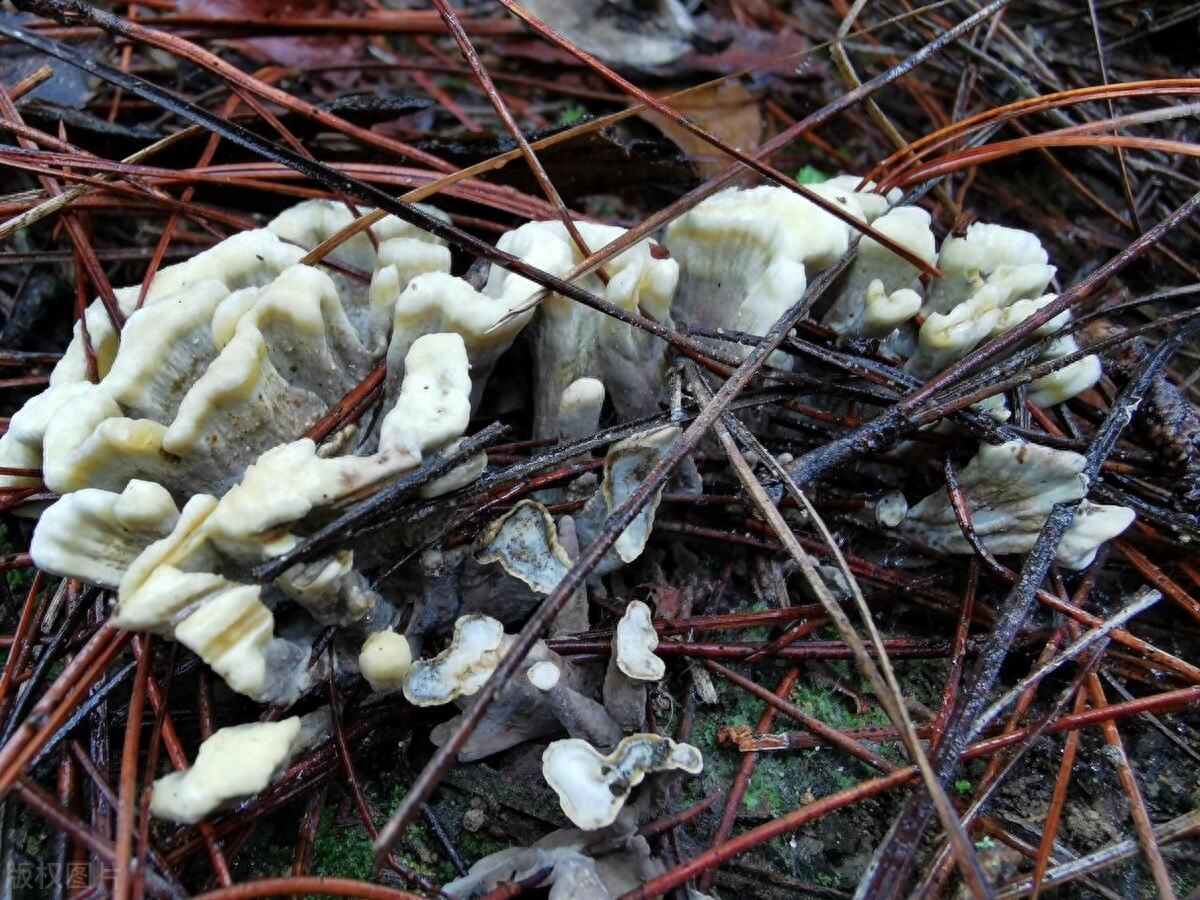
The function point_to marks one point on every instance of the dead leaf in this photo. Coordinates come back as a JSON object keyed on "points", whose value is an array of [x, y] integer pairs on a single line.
{"points": [[729, 111]]}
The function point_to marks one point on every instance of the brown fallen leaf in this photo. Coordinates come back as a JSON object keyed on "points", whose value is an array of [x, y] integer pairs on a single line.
{"points": [[730, 111]]}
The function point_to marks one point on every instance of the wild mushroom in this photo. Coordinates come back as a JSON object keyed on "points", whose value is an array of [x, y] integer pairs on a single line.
{"points": [[635, 642], [439, 302], [571, 341], [1012, 261], [592, 787], [95, 535], [235, 762], [385, 659], [631, 664], [625, 467], [581, 716], [569, 871], [877, 293], [1011, 490], [462, 668], [645, 34], [579, 409], [251, 258], [519, 713]]}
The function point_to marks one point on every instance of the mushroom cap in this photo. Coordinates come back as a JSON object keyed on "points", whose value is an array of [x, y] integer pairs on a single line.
{"points": [[544, 675], [462, 668], [385, 659], [237, 761], [635, 642], [524, 541], [592, 788]]}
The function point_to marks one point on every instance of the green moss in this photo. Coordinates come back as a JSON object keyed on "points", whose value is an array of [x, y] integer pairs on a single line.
{"points": [[811, 175], [342, 850], [571, 114], [823, 702], [475, 845]]}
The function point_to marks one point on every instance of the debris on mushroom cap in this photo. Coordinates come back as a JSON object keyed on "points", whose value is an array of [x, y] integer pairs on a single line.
{"points": [[1011, 489], [635, 642], [870, 201], [592, 787], [626, 466], [385, 659], [579, 409], [461, 669], [525, 543], [95, 535], [570, 340], [235, 762], [648, 33]]}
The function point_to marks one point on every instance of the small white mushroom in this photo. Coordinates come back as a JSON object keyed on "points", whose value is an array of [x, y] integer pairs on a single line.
{"points": [[645, 34], [592, 787], [571, 341], [890, 509], [461, 669], [1011, 260], [524, 541], [579, 409], [439, 302], [235, 762], [625, 467], [1011, 490], [581, 716], [569, 873], [385, 659], [635, 643], [877, 293]]}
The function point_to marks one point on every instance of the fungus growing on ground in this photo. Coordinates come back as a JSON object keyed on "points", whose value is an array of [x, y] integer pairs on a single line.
{"points": [[236, 762], [171, 465], [635, 643], [625, 468], [580, 716], [567, 866], [518, 714], [571, 341], [631, 664], [592, 787], [1011, 489], [772, 242], [385, 659]]}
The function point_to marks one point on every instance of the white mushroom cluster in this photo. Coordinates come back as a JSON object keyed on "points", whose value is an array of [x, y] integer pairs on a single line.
{"points": [[772, 242], [177, 448], [1010, 490]]}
